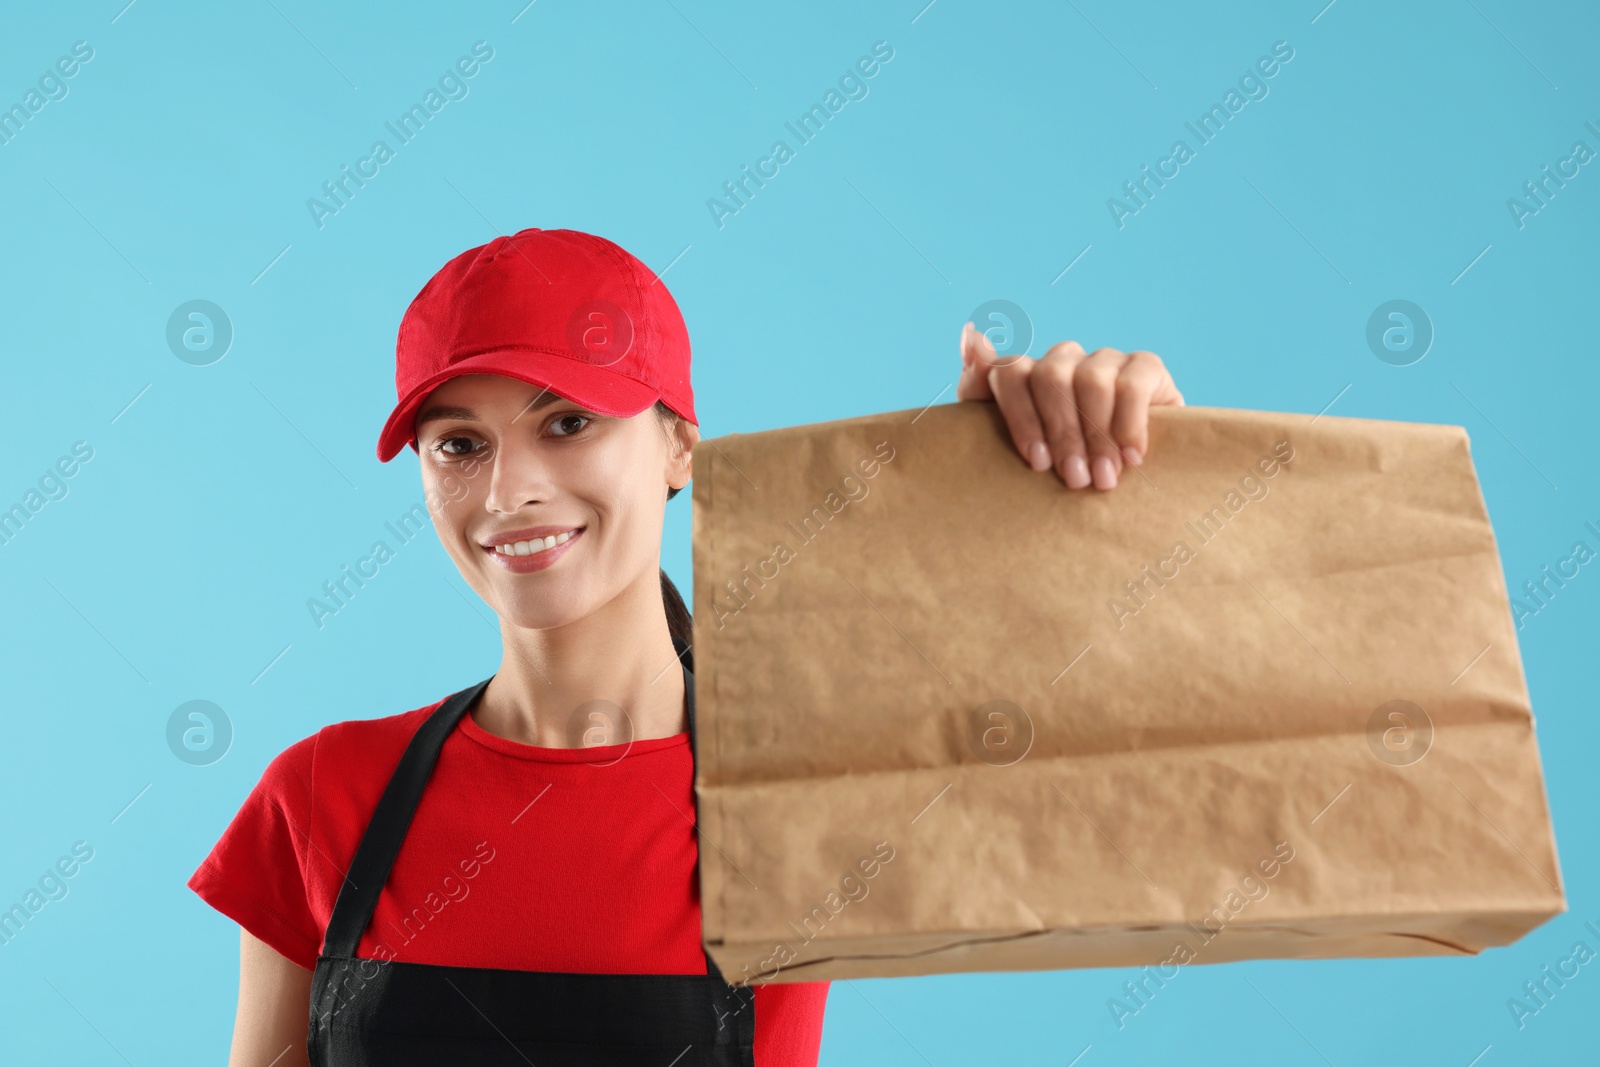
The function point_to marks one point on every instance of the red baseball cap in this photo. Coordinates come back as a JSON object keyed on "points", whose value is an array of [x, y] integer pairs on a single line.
{"points": [[561, 309]]}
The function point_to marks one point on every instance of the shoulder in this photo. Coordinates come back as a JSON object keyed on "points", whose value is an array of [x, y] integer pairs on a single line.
{"points": [[361, 742], [349, 752], [356, 746], [278, 866]]}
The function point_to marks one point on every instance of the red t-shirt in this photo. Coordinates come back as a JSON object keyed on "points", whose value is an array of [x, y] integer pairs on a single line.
{"points": [[519, 857]]}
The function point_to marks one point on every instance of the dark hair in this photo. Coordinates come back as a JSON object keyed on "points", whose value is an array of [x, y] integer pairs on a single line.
{"points": [[669, 420], [679, 622]]}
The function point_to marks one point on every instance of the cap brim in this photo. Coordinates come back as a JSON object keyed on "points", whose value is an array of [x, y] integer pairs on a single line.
{"points": [[600, 389]]}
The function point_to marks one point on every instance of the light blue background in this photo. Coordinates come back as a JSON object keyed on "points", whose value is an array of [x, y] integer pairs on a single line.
{"points": [[978, 167]]}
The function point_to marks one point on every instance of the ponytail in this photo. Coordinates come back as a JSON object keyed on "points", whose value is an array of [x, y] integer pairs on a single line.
{"points": [[679, 622]]}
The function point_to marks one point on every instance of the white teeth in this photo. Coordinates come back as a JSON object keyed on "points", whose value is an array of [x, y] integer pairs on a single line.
{"points": [[537, 544]]}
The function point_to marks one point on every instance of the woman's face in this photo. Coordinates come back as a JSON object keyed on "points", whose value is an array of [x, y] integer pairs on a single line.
{"points": [[506, 462]]}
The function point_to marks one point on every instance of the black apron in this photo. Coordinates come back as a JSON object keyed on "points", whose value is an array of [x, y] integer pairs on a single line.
{"points": [[366, 1013]]}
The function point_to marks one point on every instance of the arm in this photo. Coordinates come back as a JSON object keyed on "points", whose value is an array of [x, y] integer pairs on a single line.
{"points": [[274, 1008]]}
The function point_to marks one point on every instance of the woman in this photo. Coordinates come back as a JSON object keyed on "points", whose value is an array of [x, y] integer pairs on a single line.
{"points": [[508, 874]]}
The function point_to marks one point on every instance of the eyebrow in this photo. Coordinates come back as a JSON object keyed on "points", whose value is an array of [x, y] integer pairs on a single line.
{"points": [[440, 411]]}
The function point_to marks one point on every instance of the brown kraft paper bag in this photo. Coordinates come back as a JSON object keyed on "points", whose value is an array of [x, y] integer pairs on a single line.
{"points": [[1262, 700]]}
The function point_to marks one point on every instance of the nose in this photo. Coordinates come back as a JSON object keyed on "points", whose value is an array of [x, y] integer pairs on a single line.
{"points": [[519, 476]]}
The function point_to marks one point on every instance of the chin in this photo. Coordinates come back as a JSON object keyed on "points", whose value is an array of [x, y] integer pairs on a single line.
{"points": [[552, 607]]}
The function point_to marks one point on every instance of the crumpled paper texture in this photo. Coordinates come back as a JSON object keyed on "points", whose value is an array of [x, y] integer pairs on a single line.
{"points": [[1084, 725]]}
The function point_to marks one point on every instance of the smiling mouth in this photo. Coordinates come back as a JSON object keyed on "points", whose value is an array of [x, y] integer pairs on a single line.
{"points": [[534, 546]]}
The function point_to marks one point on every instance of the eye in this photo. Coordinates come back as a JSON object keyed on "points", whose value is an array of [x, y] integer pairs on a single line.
{"points": [[565, 419], [445, 444]]}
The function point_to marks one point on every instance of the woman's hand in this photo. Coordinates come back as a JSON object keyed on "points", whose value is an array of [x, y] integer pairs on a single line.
{"points": [[1085, 414]]}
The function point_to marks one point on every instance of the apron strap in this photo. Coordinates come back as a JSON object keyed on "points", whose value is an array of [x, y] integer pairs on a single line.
{"points": [[386, 832]]}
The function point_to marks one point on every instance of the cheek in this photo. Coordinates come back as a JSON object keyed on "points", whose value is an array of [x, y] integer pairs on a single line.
{"points": [[450, 503], [612, 510], [620, 487]]}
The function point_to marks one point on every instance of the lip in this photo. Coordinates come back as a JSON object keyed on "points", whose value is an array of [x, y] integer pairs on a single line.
{"points": [[539, 560]]}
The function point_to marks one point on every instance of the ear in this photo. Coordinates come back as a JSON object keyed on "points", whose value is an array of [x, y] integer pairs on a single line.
{"points": [[680, 464]]}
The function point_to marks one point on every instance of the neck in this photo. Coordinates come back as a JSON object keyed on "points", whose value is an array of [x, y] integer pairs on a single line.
{"points": [[610, 677]]}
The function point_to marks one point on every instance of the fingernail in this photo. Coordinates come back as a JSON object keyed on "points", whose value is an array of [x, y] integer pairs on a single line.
{"points": [[1105, 475], [1077, 472], [1132, 455], [1039, 456]]}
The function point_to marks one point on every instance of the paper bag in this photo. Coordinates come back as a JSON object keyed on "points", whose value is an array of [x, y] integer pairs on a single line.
{"points": [[1262, 700]]}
